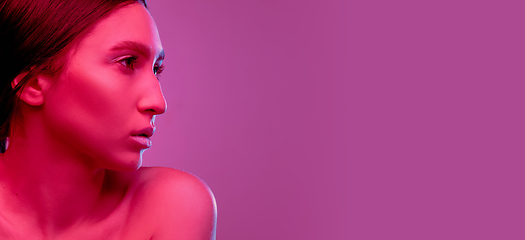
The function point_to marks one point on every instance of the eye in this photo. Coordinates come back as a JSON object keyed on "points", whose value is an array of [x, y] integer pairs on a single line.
{"points": [[157, 69], [128, 61]]}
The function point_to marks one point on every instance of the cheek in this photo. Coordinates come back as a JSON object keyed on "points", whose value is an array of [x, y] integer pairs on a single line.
{"points": [[97, 93], [90, 109]]}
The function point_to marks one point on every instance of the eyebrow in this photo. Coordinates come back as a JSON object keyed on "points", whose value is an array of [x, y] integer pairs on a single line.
{"points": [[138, 47]]}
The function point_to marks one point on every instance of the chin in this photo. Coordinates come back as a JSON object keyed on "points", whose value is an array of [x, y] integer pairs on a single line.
{"points": [[128, 163]]}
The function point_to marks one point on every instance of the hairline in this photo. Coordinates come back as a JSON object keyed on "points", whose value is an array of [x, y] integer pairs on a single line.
{"points": [[61, 59]]}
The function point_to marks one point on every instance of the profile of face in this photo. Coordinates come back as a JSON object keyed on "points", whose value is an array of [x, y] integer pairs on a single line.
{"points": [[102, 105]]}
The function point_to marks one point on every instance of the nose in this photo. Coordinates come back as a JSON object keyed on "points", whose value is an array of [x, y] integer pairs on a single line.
{"points": [[153, 100]]}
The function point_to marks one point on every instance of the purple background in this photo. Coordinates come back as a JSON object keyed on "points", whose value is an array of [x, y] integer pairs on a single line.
{"points": [[348, 119]]}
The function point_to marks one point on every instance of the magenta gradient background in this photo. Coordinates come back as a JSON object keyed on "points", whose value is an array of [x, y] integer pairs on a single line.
{"points": [[348, 119]]}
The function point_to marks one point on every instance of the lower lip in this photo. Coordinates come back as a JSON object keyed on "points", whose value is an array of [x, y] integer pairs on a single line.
{"points": [[143, 141]]}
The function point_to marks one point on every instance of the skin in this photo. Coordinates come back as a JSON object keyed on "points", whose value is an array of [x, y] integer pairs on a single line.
{"points": [[70, 171]]}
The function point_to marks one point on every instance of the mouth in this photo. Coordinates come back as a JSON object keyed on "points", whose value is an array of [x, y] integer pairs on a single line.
{"points": [[145, 132], [143, 141], [142, 137]]}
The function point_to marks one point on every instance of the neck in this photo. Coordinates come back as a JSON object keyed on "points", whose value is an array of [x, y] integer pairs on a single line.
{"points": [[49, 187]]}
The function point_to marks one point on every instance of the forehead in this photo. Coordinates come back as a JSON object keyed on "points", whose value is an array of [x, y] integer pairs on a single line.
{"points": [[131, 23]]}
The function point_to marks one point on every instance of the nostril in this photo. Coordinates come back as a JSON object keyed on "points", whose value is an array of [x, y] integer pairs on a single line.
{"points": [[155, 111]]}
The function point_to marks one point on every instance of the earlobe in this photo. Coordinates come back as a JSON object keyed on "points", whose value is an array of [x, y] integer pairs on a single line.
{"points": [[33, 91]]}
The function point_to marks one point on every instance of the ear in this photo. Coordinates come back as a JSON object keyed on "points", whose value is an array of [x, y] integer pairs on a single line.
{"points": [[33, 91]]}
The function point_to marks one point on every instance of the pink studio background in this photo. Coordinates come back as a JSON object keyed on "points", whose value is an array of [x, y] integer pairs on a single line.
{"points": [[348, 119]]}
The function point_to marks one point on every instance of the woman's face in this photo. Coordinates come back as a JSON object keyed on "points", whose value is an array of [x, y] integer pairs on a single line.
{"points": [[104, 102]]}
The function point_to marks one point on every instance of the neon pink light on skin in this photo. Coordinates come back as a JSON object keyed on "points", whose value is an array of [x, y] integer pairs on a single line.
{"points": [[81, 143]]}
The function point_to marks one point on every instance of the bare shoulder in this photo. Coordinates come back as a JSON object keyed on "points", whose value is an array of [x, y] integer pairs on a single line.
{"points": [[178, 204]]}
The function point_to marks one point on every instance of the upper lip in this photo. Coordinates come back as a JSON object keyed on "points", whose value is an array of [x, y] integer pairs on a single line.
{"points": [[147, 131]]}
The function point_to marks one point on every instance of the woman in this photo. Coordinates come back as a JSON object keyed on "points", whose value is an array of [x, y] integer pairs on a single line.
{"points": [[79, 95]]}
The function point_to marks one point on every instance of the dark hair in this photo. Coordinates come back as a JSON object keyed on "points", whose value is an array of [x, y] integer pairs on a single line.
{"points": [[34, 38]]}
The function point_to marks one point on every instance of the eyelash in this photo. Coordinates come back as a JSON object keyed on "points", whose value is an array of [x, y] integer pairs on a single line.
{"points": [[158, 69], [130, 61]]}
